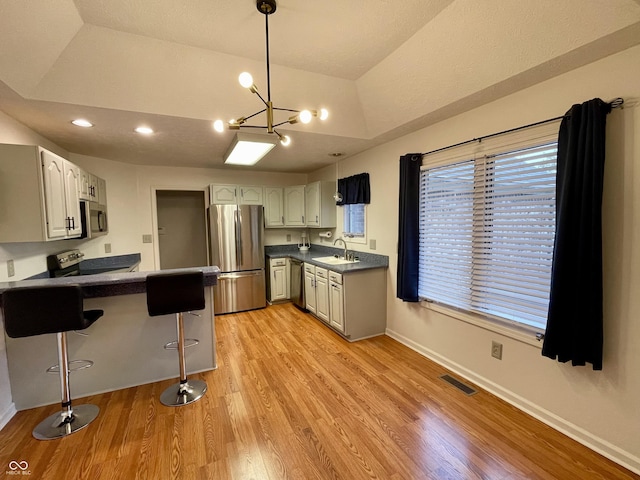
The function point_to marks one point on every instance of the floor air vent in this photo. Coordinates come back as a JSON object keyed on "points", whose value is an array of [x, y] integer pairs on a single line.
{"points": [[466, 389]]}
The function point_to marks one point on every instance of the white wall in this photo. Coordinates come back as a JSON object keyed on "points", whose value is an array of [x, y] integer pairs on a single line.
{"points": [[598, 408]]}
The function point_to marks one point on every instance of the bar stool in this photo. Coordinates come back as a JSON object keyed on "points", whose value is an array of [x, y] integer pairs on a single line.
{"points": [[177, 293], [30, 311]]}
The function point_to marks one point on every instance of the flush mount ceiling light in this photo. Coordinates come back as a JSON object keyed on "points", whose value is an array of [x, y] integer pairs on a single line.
{"points": [[267, 7], [248, 148]]}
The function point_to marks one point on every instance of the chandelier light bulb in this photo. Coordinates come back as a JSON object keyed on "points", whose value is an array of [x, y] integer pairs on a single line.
{"points": [[305, 116], [285, 140], [218, 126], [324, 114], [246, 80]]}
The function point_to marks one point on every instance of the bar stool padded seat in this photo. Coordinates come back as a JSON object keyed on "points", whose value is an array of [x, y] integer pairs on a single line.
{"points": [[31, 311], [176, 293]]}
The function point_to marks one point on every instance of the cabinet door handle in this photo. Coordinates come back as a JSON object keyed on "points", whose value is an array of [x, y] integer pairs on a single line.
{"points": [[73, 223], [302, 218], [316, 218], [283, 219]]}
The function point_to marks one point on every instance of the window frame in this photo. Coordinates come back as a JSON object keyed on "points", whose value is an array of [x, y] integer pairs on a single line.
{"points": [[349, 236], [523, 139]]}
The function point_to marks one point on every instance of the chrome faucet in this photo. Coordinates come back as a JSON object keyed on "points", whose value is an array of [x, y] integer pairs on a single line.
{"points": [[340, 239]]}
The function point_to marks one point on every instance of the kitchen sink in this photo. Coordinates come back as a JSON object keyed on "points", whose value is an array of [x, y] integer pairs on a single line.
{"points": [[334, 260]]}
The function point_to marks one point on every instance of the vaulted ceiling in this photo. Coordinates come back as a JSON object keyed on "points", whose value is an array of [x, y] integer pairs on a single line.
{"points": [[383, 68]]}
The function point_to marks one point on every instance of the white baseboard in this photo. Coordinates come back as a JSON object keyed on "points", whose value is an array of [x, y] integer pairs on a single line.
{"points": [[7, 415], [573, 431]]}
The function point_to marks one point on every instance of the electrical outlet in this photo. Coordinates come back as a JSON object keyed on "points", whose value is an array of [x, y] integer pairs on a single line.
{"points": [[147, 238], [107, 248], [372, 244], [288, 237], [496, 350], [11, 271]]}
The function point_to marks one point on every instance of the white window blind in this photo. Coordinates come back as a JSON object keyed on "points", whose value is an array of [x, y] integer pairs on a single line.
{"points": [[486, 234]]}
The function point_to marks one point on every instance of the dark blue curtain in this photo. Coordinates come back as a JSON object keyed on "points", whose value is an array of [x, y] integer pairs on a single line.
{"points": [[574, 324], [408, 227], [354, 189]]}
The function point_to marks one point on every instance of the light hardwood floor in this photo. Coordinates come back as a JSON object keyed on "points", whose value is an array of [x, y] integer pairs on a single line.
{"points": [[292, 400]]}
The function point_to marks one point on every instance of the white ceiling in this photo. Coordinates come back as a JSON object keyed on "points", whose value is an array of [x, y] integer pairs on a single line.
{"points": [[383, 68]]}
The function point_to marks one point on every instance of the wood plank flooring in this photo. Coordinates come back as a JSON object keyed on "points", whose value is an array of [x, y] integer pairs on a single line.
{"points": [[292, 400]]}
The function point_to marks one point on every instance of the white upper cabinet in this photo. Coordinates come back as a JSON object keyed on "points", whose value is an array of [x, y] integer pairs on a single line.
{"points": [[294, 206], [102, 191], [320, 206], [250, 195], [72, 198], [235, 195], [85, 182], [223, 194], [273, 207], [41, 192], [61, 180]]}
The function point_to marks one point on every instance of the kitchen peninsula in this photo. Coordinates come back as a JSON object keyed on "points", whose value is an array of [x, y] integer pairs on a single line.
{"points": [[126, 345]]}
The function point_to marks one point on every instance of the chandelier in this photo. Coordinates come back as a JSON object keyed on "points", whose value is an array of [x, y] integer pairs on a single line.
{"points": [[247, 149]]}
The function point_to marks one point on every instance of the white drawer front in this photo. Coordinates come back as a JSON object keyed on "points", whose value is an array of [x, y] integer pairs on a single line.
{"points": [[335, 278]]}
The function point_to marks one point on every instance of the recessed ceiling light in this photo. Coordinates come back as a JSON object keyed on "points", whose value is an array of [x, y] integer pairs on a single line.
{"points": [[144, 130], [336, 154], [81, 122]]}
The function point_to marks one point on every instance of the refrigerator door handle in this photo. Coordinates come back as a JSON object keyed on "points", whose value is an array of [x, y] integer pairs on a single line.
{"points": [[239, 237], [241, 275], [235, 234]]}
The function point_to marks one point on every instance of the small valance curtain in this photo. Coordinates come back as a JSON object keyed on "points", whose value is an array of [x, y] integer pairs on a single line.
{"points": [[409, 227], [354, 189], [574, 324]]}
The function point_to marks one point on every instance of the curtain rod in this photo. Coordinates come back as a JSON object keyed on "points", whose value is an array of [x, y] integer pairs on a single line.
{"points": [[615, 103]]}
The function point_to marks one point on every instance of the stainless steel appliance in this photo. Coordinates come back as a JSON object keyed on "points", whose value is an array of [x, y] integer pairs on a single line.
{"points": [[297, 283], [70, 264], [64, 264], [94, 219], [236, 239]]}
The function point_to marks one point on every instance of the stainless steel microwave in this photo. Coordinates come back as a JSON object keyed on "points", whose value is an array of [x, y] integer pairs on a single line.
{"points": [[94, 219]]}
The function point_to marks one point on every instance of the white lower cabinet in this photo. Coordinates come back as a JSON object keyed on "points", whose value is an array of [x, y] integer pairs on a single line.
{"points": [[278, 279], [354, 304], [322, 294], [316, 291], [336, 302], [310, 287]]}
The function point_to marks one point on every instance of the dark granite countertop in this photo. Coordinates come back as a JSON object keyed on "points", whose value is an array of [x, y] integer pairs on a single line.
{"points": [[367, 261], [108, 284]]}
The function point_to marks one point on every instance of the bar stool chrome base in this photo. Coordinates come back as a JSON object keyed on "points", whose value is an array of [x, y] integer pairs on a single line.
{"points": [[60, 424], [183, 393]]}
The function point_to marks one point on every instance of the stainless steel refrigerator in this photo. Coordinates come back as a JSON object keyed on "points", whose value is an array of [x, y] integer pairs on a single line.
{"points": [[236, 239]]}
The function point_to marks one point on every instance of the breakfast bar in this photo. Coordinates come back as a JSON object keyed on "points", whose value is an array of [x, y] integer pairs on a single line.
{"points": [[126, 344]]}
